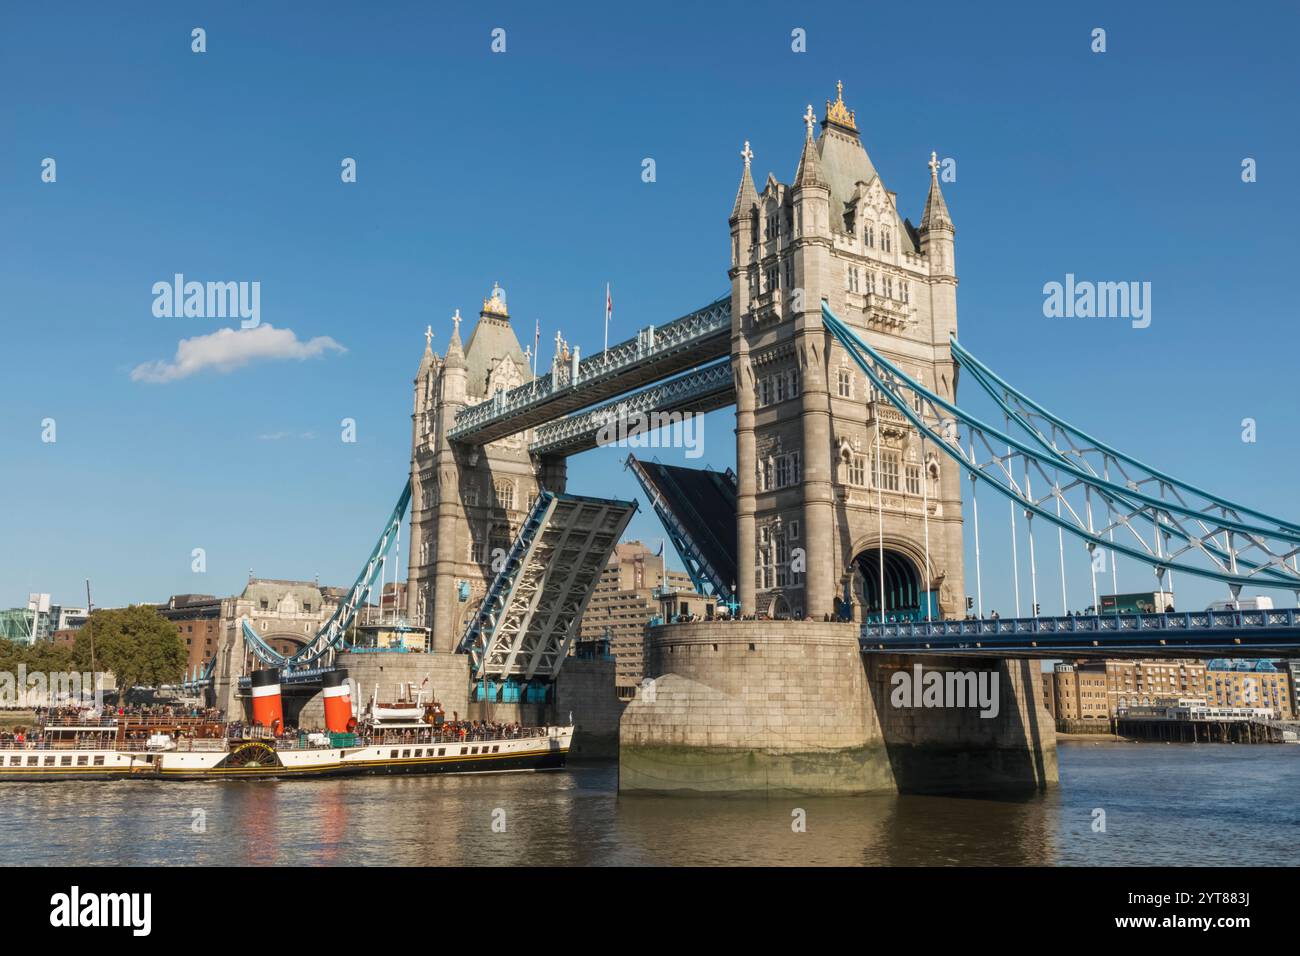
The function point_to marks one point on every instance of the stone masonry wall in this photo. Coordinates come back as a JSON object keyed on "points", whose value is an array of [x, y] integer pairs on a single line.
{"points": [[778, 707]]}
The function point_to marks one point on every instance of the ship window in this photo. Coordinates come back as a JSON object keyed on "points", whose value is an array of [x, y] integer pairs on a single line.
{"points": [[32, 761], [393, 753], [66, 761], [419, 751], [99, 761], [462, 751], [496, 747], [82, 760], [15, 761], [473, 750], [406, 753], [441, 751]]}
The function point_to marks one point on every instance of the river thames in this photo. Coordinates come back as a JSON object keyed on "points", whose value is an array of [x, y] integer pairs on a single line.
{"points": [[1169, 805]]}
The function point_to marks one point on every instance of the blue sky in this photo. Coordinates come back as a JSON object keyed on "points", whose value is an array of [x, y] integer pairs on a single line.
{"points": [[524, 168]]}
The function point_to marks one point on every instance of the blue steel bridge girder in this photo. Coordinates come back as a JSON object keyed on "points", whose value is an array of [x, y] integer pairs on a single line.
{"points": [[1162, 529], [703, 390], [531, 613], [1263, 633], [318, 654], [654, 354], [705, 578]]}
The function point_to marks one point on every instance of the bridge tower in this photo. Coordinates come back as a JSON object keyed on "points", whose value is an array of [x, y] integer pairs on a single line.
{"points": [[467, 501], [828, 471]]}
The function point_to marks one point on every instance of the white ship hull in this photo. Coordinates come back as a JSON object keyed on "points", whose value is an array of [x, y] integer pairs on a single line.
{"points": [[543, 749]]}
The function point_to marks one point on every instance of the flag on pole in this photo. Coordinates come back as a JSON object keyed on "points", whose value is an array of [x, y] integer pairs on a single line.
{"points": [[609, 314], [537, 341]]}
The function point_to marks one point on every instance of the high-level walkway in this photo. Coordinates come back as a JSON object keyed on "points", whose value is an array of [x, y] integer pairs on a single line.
{"points": [[655, 353]]}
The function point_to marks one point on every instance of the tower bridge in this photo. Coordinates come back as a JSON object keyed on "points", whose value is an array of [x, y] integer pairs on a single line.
{"points": [[838, 347]]}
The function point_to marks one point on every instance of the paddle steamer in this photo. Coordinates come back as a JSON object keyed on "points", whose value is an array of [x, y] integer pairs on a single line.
{"points": [[408, 735]]}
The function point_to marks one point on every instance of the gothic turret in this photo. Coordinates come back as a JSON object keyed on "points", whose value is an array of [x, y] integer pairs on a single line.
{"points": [[936, 229], [746, 195], [808, 172]]}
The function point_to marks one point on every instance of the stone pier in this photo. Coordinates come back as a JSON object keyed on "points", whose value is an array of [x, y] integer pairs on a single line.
{"points": [[785, 707]]}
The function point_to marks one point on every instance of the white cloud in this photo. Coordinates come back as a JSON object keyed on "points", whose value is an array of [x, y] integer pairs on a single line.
{"points": [[228, 349]]}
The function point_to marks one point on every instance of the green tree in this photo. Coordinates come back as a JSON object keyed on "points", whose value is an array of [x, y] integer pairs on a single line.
{"points": [[140, 646], [43, 657]]}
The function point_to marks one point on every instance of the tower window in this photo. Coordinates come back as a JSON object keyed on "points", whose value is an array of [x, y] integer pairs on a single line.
{"points": [[858, 470], [505, 495], [845, 383], [869, 234]]}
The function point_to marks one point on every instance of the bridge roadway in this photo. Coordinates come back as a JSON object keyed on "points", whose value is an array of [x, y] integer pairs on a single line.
{"points": [[1273, 633], [654, 354]]}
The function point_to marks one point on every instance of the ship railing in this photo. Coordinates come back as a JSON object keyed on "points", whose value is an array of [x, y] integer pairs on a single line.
{"points": [[110, 721], [423, 739]]}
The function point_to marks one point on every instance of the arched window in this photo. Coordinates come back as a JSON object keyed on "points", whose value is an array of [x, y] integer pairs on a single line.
{"points": [[869, 234], [505, 494]]}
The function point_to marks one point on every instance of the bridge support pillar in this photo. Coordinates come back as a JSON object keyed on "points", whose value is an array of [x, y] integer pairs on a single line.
{"points": [[781, 707]]}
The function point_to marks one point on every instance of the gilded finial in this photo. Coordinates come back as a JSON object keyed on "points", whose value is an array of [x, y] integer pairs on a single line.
{"points": [[838, 113], [747, 154], [495, 304]]}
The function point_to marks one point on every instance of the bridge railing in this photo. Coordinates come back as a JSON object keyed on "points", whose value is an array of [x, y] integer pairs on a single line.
{"points": [[1187, 621], [680, 334]]}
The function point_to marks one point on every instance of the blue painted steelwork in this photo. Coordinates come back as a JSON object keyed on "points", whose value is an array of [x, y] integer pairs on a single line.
{"points": [[655, 353], [701, 390], [1024, 409], [1195, 633], [201, 679], [939, 421], [474, 640], [705, 577], [316, 658]]}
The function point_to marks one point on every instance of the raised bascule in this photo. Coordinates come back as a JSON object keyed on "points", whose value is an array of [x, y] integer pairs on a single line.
{"points": [[837, 541]]}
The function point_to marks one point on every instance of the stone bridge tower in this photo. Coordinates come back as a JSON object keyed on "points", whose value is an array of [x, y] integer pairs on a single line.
{"points": [[816, 448], [467, 501]]}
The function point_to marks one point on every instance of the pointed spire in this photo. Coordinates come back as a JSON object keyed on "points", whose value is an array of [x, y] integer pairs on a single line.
{"points": [[746, 195], [936, 210], [808, 171], [427, 360], [455, 352]]}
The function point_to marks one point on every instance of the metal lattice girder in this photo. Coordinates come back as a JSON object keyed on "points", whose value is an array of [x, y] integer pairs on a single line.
{"points": [[1258, 633], [1151, 521], [315, 656], [702, 390], [533, 608], [655, 353]]}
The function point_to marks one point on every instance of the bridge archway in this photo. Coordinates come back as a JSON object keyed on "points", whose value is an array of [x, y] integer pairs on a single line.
{"points": [[904, 598]]}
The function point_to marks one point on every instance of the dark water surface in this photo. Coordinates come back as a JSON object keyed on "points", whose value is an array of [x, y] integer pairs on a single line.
{"points": [[1164, 805]]}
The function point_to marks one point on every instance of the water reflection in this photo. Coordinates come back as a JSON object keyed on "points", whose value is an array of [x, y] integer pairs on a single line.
{"points": [[1154, 797]]}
